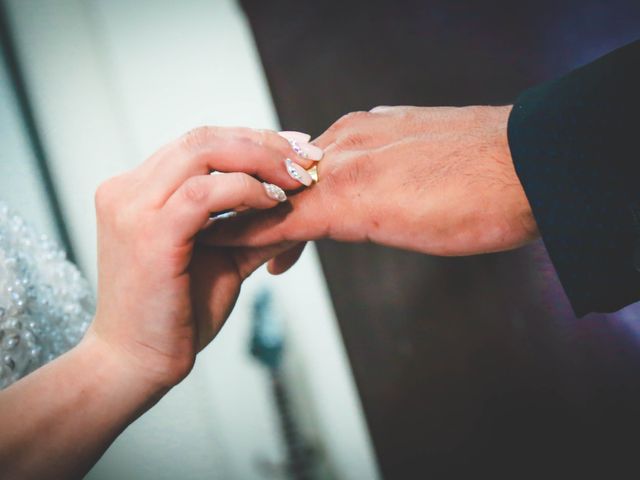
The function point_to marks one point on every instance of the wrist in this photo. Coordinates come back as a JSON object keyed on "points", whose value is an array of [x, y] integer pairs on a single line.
{"points": [[115, 371], [522, 214], [156, 361]]}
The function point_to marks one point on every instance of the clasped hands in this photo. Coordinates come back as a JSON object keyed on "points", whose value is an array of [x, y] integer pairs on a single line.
{"points": [[434, 180]]}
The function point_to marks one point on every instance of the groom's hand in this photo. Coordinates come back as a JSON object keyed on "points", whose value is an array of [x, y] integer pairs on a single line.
{"points": [[434, 180]]}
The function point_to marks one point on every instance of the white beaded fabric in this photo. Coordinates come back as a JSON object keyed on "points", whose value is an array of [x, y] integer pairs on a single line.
{"points": [[45, 303]]}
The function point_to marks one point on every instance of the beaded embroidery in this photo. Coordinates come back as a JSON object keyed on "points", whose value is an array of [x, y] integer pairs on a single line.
{"points": [[45, 303]]}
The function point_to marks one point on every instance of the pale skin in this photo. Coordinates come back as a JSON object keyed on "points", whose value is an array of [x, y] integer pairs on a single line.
{"points": [[433, 180], [161, 298], [439, 181]]}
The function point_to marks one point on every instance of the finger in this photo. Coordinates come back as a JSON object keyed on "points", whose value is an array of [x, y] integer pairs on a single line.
{"points": [[248, 260], [302, 218], [356, 131], [283, 262], [211, 293], [212, 290], [261, 153], [189, 208], [391, 109], [299, 143], [380, 109]]}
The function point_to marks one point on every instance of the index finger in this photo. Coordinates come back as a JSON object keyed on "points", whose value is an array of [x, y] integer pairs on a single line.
{"points": [[262, 153], [302, 218]]}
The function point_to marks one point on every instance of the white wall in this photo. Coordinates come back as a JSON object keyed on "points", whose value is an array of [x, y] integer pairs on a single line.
{"points": [[20, 181], [112, 80]]}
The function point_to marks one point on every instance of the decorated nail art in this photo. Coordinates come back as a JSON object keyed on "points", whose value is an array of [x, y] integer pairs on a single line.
{"points": [[298, 173], [275, 192], [307, 150], [300, 144], [297, 136]]}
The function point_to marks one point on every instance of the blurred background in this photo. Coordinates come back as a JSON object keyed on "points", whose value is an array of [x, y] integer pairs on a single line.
{"points": [[92, 88], [395, 365]]}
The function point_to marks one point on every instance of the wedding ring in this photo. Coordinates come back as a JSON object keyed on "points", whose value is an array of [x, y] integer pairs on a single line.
{"points": [[313, 171]]}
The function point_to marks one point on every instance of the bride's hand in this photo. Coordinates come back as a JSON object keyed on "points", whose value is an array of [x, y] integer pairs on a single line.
{"points": [[161, 298]]}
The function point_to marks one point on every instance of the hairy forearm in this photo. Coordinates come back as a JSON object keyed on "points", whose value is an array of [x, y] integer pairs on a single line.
{"points": [[58, 421]]}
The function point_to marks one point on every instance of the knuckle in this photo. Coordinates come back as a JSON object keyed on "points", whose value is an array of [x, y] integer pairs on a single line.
{"points": [[359, 167], [353, 172], [107, 195], [195, 139], [193, 190], [381, 109], [263, 137], [251, 139], [345, 121], [353, 117], [270, 141], [241, 181], [391, 109], [353, 141]]}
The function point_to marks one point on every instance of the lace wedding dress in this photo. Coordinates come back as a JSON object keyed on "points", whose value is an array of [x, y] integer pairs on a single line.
{"points": [[45, 303]]}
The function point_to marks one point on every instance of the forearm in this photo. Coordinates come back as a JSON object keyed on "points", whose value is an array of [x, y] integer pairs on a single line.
{"points": [[57, 421]]}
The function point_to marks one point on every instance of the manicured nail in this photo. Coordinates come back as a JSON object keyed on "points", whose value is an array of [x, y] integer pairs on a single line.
{"points": [[275, 192], [300, 144], [298, 173], [306, 150], [295, 136]]}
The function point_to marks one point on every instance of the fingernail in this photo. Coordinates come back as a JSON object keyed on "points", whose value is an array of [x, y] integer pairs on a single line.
{"points": [[275, 192], [306, 150], [300, 144], [298, 173], [295, 136], [380, 108], [223, 215]]}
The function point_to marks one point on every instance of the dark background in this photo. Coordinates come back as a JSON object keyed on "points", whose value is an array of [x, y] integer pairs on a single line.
{"points": [[465, 366]]}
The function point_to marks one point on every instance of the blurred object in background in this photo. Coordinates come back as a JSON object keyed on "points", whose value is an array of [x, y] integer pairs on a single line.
{"points": [[268, 348], [90, 88], [476, 365]]}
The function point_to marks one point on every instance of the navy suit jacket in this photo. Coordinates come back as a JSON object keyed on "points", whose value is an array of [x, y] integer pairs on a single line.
{"points": [[575, 143]]}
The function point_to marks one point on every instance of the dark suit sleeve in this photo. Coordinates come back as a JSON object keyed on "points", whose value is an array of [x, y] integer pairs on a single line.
{"points": [[575, 144]]}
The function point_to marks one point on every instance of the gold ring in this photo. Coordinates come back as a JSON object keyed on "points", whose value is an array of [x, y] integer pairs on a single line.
{"points": [[313, 171]]}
